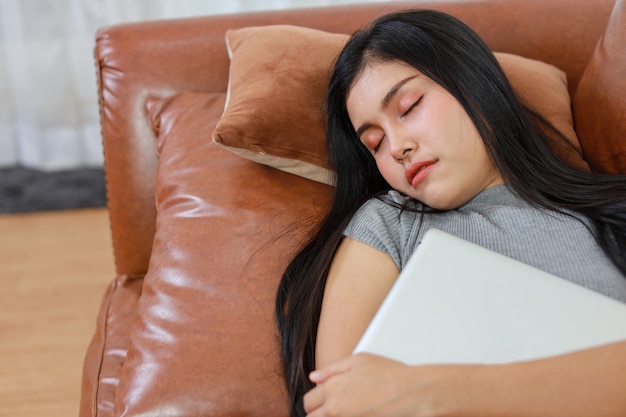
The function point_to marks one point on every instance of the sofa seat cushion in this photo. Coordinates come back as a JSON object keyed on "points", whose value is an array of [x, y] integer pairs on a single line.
{"points": [[108, 348], [204, 340]]}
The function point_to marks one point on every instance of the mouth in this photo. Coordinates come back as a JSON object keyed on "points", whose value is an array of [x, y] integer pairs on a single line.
{"points": [[417, 171]]}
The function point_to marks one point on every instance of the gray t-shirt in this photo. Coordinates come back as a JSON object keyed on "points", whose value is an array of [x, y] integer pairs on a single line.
{"points": [[499, 220]]}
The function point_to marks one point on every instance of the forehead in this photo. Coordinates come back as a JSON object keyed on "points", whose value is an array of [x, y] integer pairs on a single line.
{"points": [[377, 78]]}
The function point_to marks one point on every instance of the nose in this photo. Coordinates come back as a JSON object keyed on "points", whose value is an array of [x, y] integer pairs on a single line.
{"points": [[400, 146]]}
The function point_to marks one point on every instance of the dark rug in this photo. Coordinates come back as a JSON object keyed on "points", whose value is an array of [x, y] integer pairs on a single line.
{"points": [[24, 190]]}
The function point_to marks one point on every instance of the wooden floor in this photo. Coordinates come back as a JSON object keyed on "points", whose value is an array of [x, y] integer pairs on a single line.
{"points": [[54, 268]]}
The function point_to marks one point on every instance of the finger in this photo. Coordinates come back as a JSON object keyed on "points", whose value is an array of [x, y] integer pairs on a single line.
{"points": [[313, 399], [319, 376]]}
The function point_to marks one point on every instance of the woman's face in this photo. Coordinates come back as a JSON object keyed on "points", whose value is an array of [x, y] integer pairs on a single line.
{"points": [[424, 143]]}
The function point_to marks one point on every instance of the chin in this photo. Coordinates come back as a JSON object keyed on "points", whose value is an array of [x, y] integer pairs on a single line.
{"points": [[442, 206], [435, 203], [440, 201]]}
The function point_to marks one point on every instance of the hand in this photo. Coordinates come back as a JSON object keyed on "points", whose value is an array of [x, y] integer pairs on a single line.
{"points": [[369, 385]]}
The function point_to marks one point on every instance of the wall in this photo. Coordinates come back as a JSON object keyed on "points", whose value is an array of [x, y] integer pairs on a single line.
{"points": [[48, 111]]}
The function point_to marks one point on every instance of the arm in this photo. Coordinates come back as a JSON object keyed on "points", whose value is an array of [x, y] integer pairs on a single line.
{"points": [[591, 382], [587, 383], [581, 384], [360, 277]]}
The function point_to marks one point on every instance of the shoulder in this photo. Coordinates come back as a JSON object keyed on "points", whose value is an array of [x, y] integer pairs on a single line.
{"points": [[383, 209], [384, 223]]}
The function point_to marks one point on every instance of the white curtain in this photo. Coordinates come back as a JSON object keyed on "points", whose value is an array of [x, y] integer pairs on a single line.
{"points": [[48, 103]]}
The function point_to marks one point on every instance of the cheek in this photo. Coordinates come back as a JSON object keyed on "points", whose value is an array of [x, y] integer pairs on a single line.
{"points": [[391, 171], [382, 167], [469, 142]]}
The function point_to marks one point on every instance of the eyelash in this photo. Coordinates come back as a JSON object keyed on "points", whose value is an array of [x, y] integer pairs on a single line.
{"points": [[378, 145], [411, 107]]}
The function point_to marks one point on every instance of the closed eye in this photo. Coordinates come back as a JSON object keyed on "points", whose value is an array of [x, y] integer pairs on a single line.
{"points": [[412, 106], [377, 147]]}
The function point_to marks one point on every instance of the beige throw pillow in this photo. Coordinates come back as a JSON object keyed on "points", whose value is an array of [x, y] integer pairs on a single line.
{"points": [[278, 79]]}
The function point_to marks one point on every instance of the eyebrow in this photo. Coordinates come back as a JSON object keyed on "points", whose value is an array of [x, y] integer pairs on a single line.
{"points": [[393, 91], [384, 103]]}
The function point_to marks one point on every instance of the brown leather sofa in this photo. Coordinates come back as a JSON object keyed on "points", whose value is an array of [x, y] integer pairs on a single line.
{"points": [[202, 235]]}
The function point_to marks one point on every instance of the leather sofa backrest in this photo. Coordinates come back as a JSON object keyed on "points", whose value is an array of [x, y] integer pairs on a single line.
{"points": [[142, 60], [600, 101]]}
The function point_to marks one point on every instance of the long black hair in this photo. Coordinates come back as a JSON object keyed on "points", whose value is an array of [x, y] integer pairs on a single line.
{"points": [[451, 54]]}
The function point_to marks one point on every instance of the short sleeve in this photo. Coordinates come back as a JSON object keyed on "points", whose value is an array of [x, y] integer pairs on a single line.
{"points": [[382, 224]]}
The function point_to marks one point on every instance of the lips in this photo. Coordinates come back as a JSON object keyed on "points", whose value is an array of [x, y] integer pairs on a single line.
{"points": [[417, 171]]}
